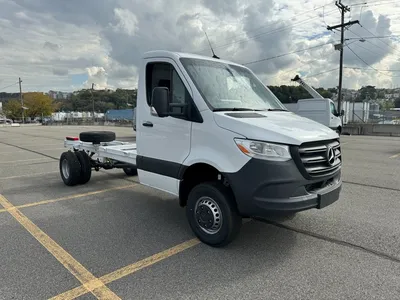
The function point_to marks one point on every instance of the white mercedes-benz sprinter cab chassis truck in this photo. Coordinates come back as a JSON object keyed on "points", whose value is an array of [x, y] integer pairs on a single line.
{"points": [[211, 133]]}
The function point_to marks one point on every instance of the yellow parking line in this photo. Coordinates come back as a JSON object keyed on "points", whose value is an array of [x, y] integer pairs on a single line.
{"points": [[28, 175], [89, 281], [72, 196], [396, 155], [130, 269], [133, 268]]}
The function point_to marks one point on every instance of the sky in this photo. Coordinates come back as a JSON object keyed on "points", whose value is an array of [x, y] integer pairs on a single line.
{"points": [[68, 45]]}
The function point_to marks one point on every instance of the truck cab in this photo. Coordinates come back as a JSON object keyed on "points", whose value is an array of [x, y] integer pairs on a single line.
{"points": [[211, 133]]}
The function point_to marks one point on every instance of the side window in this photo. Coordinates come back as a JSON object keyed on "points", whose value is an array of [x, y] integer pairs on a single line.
{"points": [[165, 75], [333, 109]]}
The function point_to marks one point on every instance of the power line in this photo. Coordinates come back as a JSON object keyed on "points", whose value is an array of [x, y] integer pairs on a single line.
{"points": [[322, 56], [3, 88], [361, 38], [257, 36], [368, 63], [376, 37], [296, 68], [285, 54], [376, 4], [358, 68], [270, 25], [376, 53], [323, 72], [379, 39]]}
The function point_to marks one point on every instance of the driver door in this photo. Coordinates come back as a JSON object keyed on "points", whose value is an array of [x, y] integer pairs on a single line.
{"points": [[163, 143]]}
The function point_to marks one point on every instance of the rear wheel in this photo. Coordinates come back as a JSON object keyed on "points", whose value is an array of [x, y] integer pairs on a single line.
{"points": [[86, 167], [130, 171], [70, 168], [212, 214]]}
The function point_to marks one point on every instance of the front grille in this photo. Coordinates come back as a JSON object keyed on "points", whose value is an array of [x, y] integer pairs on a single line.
{"points": [[314, 157]]}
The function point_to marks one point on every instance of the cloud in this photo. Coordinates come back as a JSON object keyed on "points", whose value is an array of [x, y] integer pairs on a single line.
{"points": [[371, 51], [96, 76], [60, 71], [51, 46], [48, 42]]}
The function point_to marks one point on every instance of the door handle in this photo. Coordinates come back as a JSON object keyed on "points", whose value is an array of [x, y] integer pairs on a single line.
{"points": [[148, 124]]}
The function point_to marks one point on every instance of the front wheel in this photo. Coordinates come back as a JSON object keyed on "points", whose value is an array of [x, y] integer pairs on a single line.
{"points": [[212, 214]]}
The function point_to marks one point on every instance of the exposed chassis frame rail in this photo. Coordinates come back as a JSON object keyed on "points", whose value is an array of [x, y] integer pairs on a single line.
{"points": [[108, 155]]}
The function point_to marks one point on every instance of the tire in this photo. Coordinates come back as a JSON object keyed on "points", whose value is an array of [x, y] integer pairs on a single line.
{"points": [[86, 166], [225, 218], [70, 168], [130, 171], [97, 137]]}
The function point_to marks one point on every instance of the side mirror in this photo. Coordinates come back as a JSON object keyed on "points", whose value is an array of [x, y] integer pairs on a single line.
{"points": [[342, 112], [159, 100]]}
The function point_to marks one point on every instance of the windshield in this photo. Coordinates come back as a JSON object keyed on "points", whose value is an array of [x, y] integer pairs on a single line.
{"points": [[229, 87]]}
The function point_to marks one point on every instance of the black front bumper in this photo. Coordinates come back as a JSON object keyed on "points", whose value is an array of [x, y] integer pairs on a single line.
{"points": [[264, 187]]}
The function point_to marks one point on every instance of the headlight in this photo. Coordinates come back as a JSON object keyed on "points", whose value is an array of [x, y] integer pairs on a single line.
{"points": [[263, 150]]}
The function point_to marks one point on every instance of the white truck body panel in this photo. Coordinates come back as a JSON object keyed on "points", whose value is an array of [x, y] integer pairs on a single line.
{"points": [[280, 127], [210, 144], [314, 108], [319, 110]]}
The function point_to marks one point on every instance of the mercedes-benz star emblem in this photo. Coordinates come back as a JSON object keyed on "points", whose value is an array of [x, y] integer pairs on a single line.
{"points": [[330, 155]]}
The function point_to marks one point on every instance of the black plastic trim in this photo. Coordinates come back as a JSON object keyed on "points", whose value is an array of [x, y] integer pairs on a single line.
{"points": [[294, 152], [262, 187], [161, 167]]}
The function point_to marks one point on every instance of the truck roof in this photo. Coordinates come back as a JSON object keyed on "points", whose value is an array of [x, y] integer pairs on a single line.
{"points": [[176, 55]]}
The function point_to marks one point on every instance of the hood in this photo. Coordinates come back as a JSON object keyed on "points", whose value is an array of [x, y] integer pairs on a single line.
{"points": [[274, 126]]}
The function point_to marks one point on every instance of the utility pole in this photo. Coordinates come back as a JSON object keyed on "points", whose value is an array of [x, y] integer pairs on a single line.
{"points": [[93, 102], [21, 99], [343, 9]]}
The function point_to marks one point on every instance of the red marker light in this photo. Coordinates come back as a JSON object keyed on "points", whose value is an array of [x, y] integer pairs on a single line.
{"points": [[72, 138]]}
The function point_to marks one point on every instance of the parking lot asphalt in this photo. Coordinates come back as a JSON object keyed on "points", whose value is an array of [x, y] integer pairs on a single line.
{"points": [[115, 239]]}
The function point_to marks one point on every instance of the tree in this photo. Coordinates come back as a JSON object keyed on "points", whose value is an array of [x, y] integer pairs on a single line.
{"points": [[366, 93], [103, 100], [38, 104], [120, 98], [13, 109], [386, 105], [324, 93]]}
